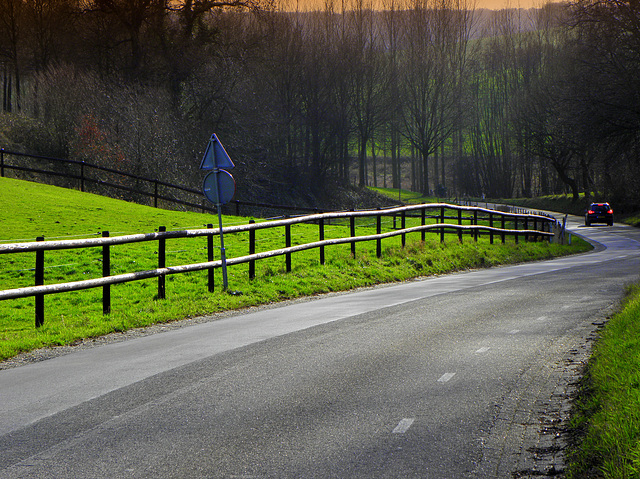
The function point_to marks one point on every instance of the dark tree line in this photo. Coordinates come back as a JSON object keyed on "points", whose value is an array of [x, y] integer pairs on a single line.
{"points": [[425, 94]]}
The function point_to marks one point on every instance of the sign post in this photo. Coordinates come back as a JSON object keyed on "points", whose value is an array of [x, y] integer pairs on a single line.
{"points": [[218, 187]]}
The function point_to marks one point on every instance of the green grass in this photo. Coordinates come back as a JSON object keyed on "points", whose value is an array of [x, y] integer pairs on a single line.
{"points": [[406, 196], [633, 220], [606, 419], [30, 210]]}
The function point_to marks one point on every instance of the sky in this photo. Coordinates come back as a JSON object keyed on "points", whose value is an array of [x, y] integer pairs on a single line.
{"points": [[499, 4], [489, 4]]}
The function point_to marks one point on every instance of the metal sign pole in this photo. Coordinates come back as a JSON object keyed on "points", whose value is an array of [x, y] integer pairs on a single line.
{"points": [[223, 256], [216, 158]]}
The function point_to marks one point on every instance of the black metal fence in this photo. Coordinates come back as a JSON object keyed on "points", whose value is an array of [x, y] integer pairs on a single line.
{"points": [[88, 177]]}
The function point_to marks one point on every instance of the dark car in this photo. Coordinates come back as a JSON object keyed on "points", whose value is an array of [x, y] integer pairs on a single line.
{"points": [[599, 213]]}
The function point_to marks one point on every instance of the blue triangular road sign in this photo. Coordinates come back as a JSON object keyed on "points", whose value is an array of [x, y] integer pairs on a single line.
{"points": [[215, 156]]}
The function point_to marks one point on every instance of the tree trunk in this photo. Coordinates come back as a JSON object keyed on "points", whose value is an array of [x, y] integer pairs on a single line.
{"points": [[570, 182], [394, 162], [362, 163], [374, 170], [425, 174]]}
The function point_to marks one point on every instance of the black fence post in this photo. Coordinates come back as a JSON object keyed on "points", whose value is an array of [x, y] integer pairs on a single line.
{"points": [[321, 238], [526, 228], [352, 227], [287, 239], [502, 225], [490, 226], [441, 222], [210, 277], [460, 224], [252, 250], [161, 263], [39, 280], [475, 223], [403, 225], [379, 231], [106, 271], [515, 227], [423, 221]]}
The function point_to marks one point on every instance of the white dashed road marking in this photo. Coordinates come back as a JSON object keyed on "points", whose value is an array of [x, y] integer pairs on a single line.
{"points": [[403, 426], [446, 377]]}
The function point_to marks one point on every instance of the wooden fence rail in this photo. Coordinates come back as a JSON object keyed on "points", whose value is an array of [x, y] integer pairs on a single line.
{"points": [[542, 227]]}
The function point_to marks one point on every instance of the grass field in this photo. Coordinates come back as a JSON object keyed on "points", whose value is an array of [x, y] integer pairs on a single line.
{"points": [[30, 210], [606, 419], [406, 196], [606, 423]]}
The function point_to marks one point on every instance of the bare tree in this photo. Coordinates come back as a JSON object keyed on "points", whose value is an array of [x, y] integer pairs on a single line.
{"points": [[495, 82], [370, 77], [429, 79], [131, 16], [607, 45], [192, 11], [392, 26], [11, 39], [48, 25]]}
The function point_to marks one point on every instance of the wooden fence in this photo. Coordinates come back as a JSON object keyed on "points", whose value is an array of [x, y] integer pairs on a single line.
{"points": [[531, 227]]}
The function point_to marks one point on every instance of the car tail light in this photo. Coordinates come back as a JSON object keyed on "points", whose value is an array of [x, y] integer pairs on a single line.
{"points": [[610, 212], [591, 212]]}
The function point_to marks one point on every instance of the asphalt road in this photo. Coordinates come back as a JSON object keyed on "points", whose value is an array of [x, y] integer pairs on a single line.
{"points": [[426, 379]]}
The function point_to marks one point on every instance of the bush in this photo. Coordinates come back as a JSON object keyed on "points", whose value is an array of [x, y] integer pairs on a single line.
{"points": [[27, 135]]}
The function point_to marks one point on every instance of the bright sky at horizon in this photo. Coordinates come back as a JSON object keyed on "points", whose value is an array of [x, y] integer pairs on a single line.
{"points": [[488, 4], [500, 4]]}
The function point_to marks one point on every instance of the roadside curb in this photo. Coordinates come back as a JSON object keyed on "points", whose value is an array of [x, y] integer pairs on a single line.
{"points": [[528, 438]]}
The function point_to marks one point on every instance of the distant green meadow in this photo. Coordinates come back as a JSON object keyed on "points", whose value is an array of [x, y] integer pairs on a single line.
{"points": [[31, 210]]}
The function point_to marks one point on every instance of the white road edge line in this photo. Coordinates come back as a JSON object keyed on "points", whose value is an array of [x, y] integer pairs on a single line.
{"points": [[482, 350], [403, 426]]}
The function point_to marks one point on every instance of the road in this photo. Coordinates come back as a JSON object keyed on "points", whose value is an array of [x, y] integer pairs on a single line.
{"points": [[437, 378]]}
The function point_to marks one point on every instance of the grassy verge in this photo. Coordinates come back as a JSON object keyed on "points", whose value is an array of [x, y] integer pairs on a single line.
{"points": [[606, 420], [32, 210]]}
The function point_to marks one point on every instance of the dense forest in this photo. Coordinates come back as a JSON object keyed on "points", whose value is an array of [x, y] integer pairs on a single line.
{"points": [[431, 95]]}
